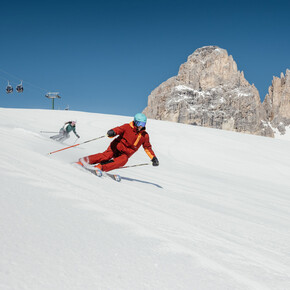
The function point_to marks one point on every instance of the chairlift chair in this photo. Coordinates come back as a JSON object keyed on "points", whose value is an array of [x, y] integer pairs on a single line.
{"points": [[9, 88], [19, 88]]}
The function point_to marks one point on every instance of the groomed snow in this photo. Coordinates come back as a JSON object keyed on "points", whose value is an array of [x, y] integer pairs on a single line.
{"points": [[214, 214]]}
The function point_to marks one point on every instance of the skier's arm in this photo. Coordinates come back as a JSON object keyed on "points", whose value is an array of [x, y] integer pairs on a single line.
{"points": [[148, 149], [74, 130], [116, 131]]}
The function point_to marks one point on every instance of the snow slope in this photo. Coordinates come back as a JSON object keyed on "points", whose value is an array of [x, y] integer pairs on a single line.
{"points": [[285, 136], [214, 214]]}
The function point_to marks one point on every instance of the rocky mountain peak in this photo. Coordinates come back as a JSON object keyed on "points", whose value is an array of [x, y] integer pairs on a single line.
{"points": [[210, 91], [277, 102], [209, 67]]}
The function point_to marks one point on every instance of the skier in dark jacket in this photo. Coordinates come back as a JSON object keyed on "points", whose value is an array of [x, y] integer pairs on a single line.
{"points": [[65, 130], [131, 137]]}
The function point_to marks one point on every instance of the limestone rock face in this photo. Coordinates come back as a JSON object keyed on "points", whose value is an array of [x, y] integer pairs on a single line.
{"points": [[277, 102], [210, 91]]}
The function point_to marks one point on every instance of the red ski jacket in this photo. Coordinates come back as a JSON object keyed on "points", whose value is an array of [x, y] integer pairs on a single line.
{"points": [[129, 140]]}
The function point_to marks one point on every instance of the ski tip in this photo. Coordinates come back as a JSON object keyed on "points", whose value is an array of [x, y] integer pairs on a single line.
{"points": [[117, 177]]}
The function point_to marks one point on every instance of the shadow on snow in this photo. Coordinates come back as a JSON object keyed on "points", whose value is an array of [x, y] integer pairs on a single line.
{"points": [[142, 181]]}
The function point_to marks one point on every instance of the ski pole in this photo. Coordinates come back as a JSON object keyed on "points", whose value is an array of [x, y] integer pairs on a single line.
{"points": [[76, 145], [142, 164]]}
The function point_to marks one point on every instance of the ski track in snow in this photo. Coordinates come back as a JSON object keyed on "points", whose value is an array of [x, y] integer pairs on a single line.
{"points": [[213, 215]]}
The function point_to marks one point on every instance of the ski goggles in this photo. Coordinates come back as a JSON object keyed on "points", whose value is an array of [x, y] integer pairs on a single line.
{"points": [[140, 123]]}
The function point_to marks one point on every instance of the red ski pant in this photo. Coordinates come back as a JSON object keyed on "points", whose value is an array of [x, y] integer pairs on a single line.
{"points": [[117, 158]]}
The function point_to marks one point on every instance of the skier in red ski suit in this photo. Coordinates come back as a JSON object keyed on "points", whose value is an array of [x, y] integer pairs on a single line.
{"points": [[131, 137]]}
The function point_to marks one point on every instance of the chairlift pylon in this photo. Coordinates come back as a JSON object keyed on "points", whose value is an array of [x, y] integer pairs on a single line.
{"points": [[9, 88], [52, 95], [19, 88]]}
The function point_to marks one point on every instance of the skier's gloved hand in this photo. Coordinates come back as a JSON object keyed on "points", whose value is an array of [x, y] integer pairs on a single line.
{"points": [[155, 161], [111, 133], [78, 135]]}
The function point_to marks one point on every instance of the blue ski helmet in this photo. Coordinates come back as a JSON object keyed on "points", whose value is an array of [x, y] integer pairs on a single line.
{"points": [[140, 120]]}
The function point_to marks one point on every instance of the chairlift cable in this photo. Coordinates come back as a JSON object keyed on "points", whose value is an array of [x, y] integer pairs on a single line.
{"points": [[26, 82], [11, 75]]}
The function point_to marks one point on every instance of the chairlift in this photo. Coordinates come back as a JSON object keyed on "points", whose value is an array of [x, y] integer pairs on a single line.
{"points": [[9, 88], [19, 88]]}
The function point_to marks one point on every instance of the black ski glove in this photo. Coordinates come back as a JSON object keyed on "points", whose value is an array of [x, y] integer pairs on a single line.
{"points": [[78, 135], [155, 161], [111, 133]]}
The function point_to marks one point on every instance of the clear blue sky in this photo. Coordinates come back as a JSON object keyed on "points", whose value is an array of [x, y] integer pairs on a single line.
{"points": [[107, 56]]}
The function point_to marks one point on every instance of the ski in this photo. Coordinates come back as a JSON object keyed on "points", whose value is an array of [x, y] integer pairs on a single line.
{"points": [[98, 172]]}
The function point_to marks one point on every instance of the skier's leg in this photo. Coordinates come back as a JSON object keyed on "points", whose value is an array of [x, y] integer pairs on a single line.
{"points": [[61, 139], [116, 163], [99, 157], [64, 136], [55, 137], [59, 136]]}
